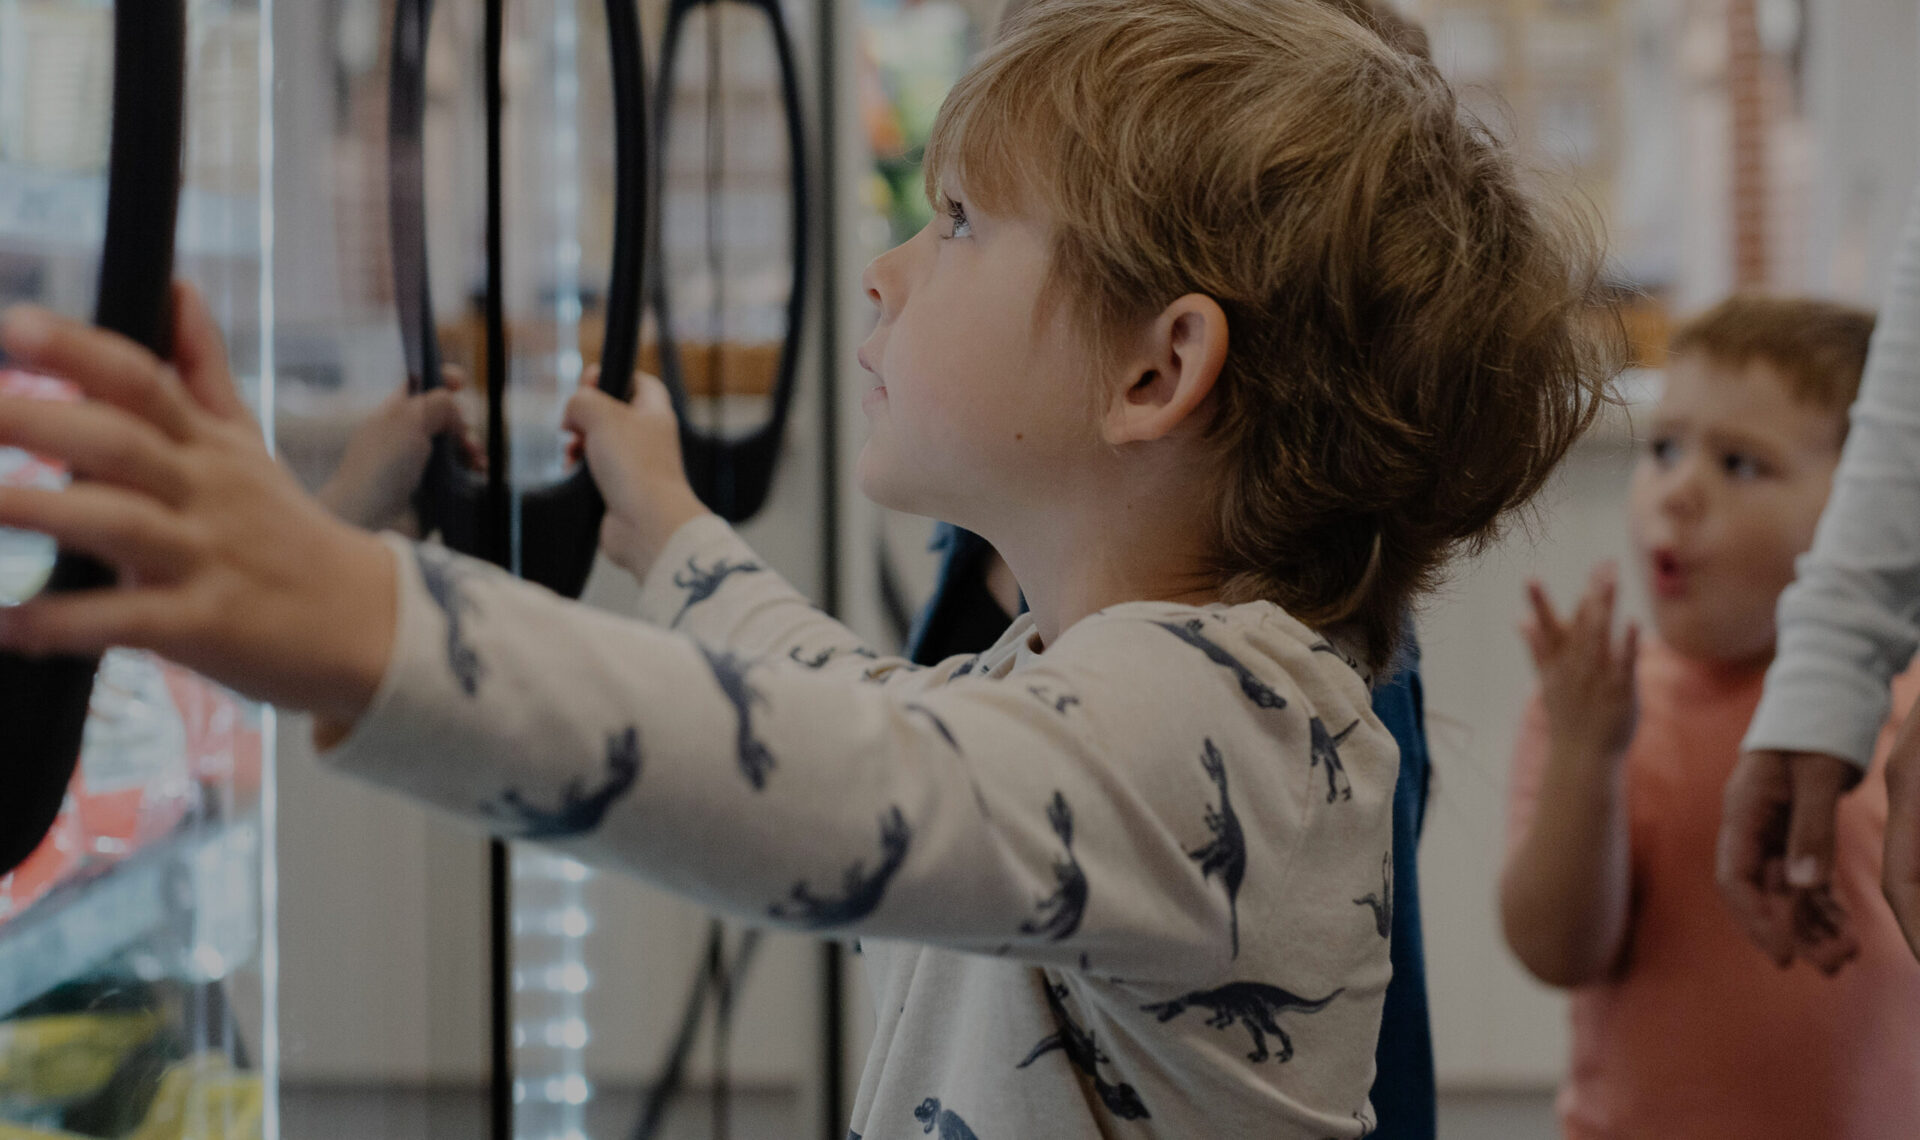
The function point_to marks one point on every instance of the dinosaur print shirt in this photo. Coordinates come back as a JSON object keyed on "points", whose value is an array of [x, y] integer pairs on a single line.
{"points": [[1135, 883]]}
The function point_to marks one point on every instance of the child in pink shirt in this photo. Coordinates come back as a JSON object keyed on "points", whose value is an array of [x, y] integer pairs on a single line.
{"points": [[1681, 1028]]}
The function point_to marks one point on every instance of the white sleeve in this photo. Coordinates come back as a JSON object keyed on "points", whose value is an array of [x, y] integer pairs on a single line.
{"points": [[1847, 624], [973, 814]]}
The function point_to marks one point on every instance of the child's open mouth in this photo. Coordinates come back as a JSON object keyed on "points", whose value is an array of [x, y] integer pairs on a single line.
{"points": [[1667, 573]]}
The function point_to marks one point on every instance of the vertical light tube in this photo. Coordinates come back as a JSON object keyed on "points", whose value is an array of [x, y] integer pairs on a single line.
{"points": [[269, 735]]}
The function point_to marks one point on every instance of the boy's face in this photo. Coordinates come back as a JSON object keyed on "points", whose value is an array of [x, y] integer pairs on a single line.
{"points": [[979, 406], [1725, 496]]}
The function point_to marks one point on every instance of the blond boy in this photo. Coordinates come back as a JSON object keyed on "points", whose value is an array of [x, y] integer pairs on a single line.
{"points": [[1227, 333]]}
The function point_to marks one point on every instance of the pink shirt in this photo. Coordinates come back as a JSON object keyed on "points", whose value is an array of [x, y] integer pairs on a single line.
{"points": [[1700, 1036]]}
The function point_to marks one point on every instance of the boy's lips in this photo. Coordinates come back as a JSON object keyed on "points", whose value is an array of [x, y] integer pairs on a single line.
{"points": [[1667, 573]]}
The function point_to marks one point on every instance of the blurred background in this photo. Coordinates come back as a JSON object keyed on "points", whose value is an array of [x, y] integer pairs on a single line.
{"points": [[1724, 144]]}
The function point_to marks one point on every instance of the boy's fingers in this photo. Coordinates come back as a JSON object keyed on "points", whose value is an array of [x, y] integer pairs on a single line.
{"points": [[126, 530], [200, 355], [1630, 649], [88, 622], [105, 365], [95, 442], [453, 377], [650, 394], [1546, 622], [440, 412]]}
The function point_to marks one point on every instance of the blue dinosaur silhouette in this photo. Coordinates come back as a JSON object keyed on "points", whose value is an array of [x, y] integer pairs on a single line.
{"points": [[1252, 1004], [731, 674], [580, 811], [1078, 1044], [442, 576], [820, 660], [1257, 691], [1062, 910], [1326, 750], [939, 725], [703, 584], [1382, 903], [931, 1116], [1059, 704], [1226, 856], [1328, 647], [860, 892], [965, 668]]}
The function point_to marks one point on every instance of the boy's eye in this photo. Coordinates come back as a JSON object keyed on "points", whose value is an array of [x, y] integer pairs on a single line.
{"points": [[1741, 466], [1663, 448], [957, 214]]}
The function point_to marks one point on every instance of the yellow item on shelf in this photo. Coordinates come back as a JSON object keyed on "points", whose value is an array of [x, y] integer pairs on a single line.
{"points": [[69, 1057], [17, 1132], [204, 1098]]}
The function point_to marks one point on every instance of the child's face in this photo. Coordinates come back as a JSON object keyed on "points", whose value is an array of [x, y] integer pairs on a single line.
{"points": [[978, 406], [1725, 496]]}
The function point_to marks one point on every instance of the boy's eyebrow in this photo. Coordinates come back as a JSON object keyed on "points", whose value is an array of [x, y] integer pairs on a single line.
{"points": [[1736, 439]]}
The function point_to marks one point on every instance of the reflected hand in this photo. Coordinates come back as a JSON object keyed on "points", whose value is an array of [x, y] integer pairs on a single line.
{"points": [[1775, 857], [633, 451], [1900, 874], [374, 484], [225, 565]]}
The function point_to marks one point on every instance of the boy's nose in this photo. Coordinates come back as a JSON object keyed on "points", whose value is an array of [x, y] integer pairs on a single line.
{"points": [[881, 282], [1683, 495]]}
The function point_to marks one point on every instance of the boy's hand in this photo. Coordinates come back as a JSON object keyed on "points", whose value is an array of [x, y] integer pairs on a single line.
{"points": [[633, 451], [1774, 864], [1900, 874], [1586, 680], [225, 565], [377, 476]]}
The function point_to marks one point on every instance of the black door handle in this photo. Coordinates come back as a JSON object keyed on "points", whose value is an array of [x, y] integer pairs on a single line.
{"points": [[43, 703], [733, 475], [560, 522]]}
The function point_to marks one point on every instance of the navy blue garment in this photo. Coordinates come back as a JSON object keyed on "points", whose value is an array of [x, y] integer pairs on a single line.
{"points": [[1403, 1092], [961, 618]]}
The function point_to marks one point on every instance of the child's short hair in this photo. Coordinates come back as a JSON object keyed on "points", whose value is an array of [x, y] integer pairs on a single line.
{"points": [[1413, 343], [1818, 347]]}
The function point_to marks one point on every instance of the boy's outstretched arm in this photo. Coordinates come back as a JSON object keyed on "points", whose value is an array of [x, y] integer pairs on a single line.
{"points": [[977, 815], [1566, 892], [225, 565]]}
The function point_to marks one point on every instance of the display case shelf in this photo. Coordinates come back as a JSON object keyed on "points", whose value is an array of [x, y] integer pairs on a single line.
{"points": [[190, 901]]}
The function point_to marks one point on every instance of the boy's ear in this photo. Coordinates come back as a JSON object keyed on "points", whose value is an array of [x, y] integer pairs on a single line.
{"points": [[1185, 349]]}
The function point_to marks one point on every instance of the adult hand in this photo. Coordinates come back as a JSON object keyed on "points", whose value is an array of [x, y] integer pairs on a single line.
{"points": [[1775, 857], [225, 565], [1900, 873]]}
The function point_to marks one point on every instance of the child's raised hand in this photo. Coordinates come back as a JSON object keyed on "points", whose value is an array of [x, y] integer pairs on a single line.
{"points": [[225, 565], [381, 468], [633, 451], [1586, 678]]}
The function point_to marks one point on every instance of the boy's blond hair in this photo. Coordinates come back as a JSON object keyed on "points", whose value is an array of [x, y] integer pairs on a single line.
{"points": [[1818, 347], [1412, 345]]}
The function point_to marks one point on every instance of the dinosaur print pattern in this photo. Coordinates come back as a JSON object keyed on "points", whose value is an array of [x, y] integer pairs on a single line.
{"points": [[1257, 691], [932, 1116], [825, 656], [860, 890], [1254, 1005], [1382, 903], [1226, 856], [703, 584], [442, 577], [939, 726], [1078, 1044], [965, 668], [580, 811], [1326, 750], [730, 673], [1058, 703], [1062, 910]]}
